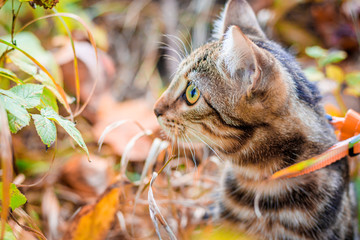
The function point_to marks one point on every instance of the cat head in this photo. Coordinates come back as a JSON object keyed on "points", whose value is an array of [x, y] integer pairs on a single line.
{"points": [[227, 87]]}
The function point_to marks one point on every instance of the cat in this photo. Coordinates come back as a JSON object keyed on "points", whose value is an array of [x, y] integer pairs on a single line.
{"points": [[247, 99]]}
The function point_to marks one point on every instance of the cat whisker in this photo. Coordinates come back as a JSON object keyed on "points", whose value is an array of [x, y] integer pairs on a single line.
{"points": [[183, 44], [206, 145], [184, 149], [171, 58], [178, 147], [188, 141], [186, 159], [176, 40], [183, 144], [188, 42], [206, 137], [169, 48], [192, 152]]}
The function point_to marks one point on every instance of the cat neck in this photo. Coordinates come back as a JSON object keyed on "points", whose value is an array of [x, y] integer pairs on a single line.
{"points": [[281, 143]]}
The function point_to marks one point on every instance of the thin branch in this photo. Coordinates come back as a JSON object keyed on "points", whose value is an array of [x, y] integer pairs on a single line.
{"points": [[14, 16]]}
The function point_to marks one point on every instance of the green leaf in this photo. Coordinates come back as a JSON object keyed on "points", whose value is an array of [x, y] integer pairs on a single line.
{"points": [[45, 128], [17, 115], [5, 76], [32, 167], [69, 126], [19, 100], [313, 74], [133, 176], [353, 79], [17, 199], [30, 43], [4, 83], [316, 52], [15, 124], [9, 235], [47, 4], [332, 57], [30, 93], [48, 100], [30, 68], [7, 72]]}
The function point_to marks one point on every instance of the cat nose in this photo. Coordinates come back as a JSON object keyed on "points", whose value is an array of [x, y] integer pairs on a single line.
{"points": [[157, 112]]}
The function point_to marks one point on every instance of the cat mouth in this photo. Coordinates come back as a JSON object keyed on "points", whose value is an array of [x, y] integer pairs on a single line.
{"points": [[174, 129]]}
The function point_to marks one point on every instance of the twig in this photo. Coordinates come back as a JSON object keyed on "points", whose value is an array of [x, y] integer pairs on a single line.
{"points": [[158, 173], [14, 16], [26, 228]]}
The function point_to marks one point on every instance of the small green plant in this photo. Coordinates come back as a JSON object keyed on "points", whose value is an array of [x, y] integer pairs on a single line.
{"points": [[34, 97], [326, 68], [31, 92]]}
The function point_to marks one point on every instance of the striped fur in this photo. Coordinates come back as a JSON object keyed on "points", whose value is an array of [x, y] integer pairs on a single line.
{"points": [[259, 113]]}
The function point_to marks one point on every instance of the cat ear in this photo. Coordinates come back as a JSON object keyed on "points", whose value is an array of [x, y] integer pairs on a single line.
{"points": [[239, 56], [238, 13]]}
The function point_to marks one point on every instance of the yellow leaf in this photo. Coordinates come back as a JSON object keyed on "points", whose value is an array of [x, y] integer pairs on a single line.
{"points": [[335, 73], [333, 110], [352, 91], [219, 233], [94, 221]]}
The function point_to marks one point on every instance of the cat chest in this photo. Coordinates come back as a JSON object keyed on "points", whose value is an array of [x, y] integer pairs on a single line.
{"points": [[298, 210]]}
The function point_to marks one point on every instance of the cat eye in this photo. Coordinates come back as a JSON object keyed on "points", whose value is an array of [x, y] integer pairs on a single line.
{"points": [[192, 94]]}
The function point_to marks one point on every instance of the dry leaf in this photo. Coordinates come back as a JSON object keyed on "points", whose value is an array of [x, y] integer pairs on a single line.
{"points": [[155, 213], [87, 67], [139, 110], [51, 212], [94, 221], [88, 179]]}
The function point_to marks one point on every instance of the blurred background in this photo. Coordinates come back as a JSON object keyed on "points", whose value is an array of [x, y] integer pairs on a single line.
{"points": [[140, 43]]}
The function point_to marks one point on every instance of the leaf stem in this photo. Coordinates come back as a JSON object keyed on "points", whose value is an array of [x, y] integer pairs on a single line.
{"points": [[17, 80], [14, 16]]}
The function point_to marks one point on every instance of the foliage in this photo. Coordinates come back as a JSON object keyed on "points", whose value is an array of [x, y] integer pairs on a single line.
{"points": [[46, 3], [9, 235], [30, 90], [326, 69], [24, 96], [94, 221], [17, 199]]}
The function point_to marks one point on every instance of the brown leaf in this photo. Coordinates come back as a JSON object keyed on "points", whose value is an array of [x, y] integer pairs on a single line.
{"points": [[94, 221], [88, 179], [89, 68], [138, 110]]}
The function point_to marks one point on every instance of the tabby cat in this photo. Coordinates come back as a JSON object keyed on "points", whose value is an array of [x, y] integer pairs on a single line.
{"points": [[248, 99]]}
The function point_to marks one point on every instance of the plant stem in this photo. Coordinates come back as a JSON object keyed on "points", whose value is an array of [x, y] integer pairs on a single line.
{"points": [[14, 16], [340, 100]]}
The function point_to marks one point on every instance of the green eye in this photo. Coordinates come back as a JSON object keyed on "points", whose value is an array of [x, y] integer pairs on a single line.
{"points": [[192, 94]]}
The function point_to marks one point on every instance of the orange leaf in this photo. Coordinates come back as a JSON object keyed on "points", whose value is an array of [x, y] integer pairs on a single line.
{"points": [[94, 221]]}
